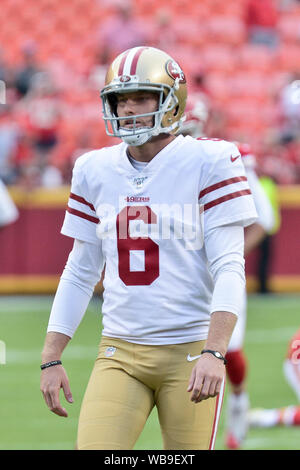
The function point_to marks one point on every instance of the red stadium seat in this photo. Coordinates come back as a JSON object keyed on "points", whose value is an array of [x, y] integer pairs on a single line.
{"points": [[188, 31], [288, 58], [252, 84], [146, 9], [231, 8], [289, 28], [276, 81], [218, 87], [245, 113], [200, 11], [218, 58], [256, 57], [181, 7], [226, 30]]}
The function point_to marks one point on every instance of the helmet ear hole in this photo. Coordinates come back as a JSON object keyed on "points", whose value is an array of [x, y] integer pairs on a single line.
{"points": [[176, 110], [113, 101]]}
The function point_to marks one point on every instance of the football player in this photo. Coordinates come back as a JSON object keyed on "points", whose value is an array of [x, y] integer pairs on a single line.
{"points": [[166, 215], [238, 400], [288, 415]]}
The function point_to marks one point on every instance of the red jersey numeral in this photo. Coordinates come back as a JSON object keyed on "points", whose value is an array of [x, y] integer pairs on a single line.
{"points": [[125, 244]]}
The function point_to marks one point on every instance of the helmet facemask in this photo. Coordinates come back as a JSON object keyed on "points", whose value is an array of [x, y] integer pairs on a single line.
{"points": [[167, 103]]}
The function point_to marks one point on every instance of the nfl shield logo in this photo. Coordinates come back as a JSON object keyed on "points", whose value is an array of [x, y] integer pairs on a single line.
{"points": [[110, 351]]}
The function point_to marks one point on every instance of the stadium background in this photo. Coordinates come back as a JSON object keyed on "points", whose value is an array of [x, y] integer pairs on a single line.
{"points": [[241, 56]]}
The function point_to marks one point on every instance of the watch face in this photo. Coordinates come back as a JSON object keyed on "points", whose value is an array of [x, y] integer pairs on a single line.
{"points": [[218, 354]]}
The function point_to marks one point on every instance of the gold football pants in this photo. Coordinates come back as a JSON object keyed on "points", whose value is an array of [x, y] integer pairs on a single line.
{"points": [[128, 380]]}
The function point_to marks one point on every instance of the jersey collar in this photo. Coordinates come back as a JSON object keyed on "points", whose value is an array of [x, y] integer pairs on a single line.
{"points": [[160, 159]]}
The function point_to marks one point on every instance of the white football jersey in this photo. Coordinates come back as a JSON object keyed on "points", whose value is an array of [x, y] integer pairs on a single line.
{"points": [[151, 224]]}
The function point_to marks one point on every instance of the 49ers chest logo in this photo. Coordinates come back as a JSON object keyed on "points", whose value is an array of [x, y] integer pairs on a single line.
{"points": [[175, 71]]}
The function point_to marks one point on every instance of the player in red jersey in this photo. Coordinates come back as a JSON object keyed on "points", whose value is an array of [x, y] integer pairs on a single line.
{"points": [[287, 415]]}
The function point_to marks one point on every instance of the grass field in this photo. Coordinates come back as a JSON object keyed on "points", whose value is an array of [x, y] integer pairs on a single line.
{"points": [[26, 423]]}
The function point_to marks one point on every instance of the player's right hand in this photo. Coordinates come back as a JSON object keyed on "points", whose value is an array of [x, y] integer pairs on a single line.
{"points": [[52, 380]]}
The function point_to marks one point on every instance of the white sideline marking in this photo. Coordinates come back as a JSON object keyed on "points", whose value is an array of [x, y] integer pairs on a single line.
{"points": [[32, 304], [276, 335], [15, 356], [270, 442]]}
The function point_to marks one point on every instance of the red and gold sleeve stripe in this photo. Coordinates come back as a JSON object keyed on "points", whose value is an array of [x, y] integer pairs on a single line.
{"points": [[81, 213], [226, 197]]}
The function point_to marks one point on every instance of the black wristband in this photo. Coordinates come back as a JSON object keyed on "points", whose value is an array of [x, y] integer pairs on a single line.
{"points": [[217, 354], [50, 364]]}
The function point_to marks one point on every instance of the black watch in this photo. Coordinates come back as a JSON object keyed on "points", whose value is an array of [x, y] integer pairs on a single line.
{"points": [[217, 354]]}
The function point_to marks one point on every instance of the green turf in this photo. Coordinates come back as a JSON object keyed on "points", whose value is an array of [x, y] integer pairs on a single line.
{"points": [[25, 422]]}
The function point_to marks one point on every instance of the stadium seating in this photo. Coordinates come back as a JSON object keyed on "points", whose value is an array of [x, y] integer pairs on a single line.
{"points": [[289, 27], [211, 40]]}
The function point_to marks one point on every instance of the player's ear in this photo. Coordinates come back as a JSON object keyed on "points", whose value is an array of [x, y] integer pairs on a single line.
{"points": [[175, 111]]}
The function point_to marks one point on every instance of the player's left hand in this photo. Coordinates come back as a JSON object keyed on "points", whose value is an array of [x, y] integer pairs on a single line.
{"points": [[206, 378]]}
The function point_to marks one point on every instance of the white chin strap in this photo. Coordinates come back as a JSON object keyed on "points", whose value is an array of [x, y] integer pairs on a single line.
{"points": [[135, 139]]}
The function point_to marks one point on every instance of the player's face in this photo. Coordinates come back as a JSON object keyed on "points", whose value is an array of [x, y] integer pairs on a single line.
{"points": [[139, 102]]}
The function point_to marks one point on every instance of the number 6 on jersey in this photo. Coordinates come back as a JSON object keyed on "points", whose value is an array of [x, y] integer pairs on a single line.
{"points": [[126, 244]]}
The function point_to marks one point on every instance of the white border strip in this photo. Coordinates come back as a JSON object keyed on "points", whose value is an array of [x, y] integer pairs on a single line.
{"points": [[217, 416]]}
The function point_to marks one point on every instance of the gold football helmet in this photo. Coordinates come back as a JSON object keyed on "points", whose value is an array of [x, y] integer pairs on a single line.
{"points": [[150, 69]]}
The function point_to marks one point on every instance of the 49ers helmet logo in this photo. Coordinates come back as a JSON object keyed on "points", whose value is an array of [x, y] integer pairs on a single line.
{"points": [[175, 71], [125, 78]]}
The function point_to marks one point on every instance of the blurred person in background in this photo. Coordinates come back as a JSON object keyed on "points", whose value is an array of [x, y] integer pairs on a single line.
{"points": [[203, 118], [287, 415], [9, 135], [163, 31], [289, 103], [3, 68], [286, 5], [278, 161], [122, 31], [40, 112], [29, 68], [265, 249], [197, 117], [288, 130], [261, 18], [9, 138], [280, 152], [7, 73]]}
